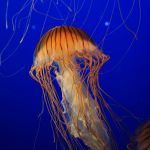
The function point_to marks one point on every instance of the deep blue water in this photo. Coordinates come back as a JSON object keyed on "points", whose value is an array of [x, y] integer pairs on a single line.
{"points": [[125, 77]]}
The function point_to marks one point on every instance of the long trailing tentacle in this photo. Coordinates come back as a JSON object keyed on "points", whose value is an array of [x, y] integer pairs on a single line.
{"points": [[42, 75], [88, 80]]}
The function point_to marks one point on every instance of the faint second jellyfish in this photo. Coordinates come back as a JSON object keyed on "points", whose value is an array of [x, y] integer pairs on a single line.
{"points": [[68, 55], [141, 138]]}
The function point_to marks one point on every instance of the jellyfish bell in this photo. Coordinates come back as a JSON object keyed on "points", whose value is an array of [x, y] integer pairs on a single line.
{"points": [[79, 111]]}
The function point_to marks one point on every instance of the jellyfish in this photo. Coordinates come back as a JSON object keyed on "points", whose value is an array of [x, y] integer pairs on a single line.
{"points": [[141, 139], [68, 55]]}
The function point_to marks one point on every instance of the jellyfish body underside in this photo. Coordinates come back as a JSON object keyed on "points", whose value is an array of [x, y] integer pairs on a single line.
{"points": [[78, 109], [80, 120]]}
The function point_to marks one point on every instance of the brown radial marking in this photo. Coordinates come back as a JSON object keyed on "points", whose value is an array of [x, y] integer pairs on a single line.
{"points": [[47, 41], [88, 42], [71, 34], [65, 37], [37, 48], [56, 31], [71, 40], [60, 40], [63, 41], [82, 38], [58, 43], [74, 32], [52, 40], [39, 44]]}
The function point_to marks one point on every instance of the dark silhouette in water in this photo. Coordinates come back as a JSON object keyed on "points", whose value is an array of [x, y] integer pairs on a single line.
{"points": [[141, 139]]}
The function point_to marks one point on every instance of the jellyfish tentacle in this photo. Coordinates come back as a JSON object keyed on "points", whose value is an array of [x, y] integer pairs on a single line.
{"points": [[80, 111], [55, 111]]}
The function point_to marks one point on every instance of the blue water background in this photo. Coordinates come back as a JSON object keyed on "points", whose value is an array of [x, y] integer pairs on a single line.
{"points": [[125, 77]]}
